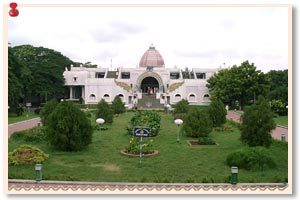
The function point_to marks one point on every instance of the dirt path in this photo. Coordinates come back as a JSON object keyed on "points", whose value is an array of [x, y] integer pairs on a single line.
{"points": [[277, 133]]}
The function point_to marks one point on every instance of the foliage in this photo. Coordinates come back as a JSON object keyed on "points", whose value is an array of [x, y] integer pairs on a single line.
{"points": [[257, 123], [251, 158], [145, 118], [217, 113], [278, 107], [206, 141], [226, 128], [197, 123], [117, 105], [35, 134], [35, 74], [104, 111], [279, 85], [19, 110], [68, 128], [242, 83], [181, 107], [134, 146], [26, 154], [47, 109]]}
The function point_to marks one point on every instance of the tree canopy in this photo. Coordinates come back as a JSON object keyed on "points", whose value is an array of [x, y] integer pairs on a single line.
{"points": [[239, 83]]}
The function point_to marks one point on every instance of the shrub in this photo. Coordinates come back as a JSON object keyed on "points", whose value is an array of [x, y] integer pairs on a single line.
{"points": [[104, 111], [35, 134], [118, 106], [68, 128], [197, 123], [217, 113], [257, 123], [181, 106], [47, 109], [26, 154], [19, 110], [206, 141], [145, 118], [251, 158]]}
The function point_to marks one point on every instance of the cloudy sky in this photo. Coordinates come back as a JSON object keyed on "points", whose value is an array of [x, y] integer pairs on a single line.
{"points": [[201, 37]]}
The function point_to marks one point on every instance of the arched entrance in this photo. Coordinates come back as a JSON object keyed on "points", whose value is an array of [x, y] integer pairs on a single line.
{"points": [[149, 85]]}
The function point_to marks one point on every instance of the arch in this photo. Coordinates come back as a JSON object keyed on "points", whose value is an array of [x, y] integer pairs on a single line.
{"points": [[122, 97], [150, 74], [92, 97], [177, 97], [106, 97], [206, 97], [192, 97]]}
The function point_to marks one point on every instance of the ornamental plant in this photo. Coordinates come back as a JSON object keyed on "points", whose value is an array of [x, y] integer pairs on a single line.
{"points": [[26, 154], [104, 111], [134, 146], [145, 118]]}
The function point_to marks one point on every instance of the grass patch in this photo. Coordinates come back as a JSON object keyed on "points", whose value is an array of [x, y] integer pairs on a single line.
{"points": [[13, 118], [176, 162], [281, 120]]}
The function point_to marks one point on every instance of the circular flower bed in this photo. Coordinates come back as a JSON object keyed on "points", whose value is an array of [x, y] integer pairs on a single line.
{"points": [[125, 153]]}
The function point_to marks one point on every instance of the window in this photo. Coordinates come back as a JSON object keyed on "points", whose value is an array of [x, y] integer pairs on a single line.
{"points": [[125, 75], [100, 75], [206, 97], [92, 97], [192, 98], [174, 75], [121, 96], [201, 75], [177, 97], [75, 78], [106, 97]]}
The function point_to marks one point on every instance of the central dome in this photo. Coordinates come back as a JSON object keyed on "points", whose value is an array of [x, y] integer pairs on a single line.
{"points": [[152, 58]]}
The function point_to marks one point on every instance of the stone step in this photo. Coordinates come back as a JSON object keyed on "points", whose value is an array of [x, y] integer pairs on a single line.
{"points": [[149, 101]]}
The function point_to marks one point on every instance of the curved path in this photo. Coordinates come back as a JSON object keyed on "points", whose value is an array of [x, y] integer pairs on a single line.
{"points": [[23, 125], [276, 133]]}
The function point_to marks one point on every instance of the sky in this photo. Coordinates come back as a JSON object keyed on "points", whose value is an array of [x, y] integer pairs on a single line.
{"points": [[193, 37]]}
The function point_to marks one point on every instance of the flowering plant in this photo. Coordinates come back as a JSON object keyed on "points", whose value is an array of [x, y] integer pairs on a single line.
{"points": [[134, 146]]}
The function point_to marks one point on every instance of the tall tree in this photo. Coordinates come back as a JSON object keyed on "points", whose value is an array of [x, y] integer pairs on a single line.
{"points": [[257, 123], [239, 83], [279, 85]]}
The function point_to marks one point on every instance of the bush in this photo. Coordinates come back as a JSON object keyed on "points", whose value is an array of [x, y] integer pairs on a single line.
{"points": [[217, 113], [68, 128], [104, 111], [145, 118], [26, 154], [251, 158], [37, 111], [46, 110], [206, 141], [19, 110], [35, 134], [134, 146], [118, 106], [197, 123], [181, 107]]}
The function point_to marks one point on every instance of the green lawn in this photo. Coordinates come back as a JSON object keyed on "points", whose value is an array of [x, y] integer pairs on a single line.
{"points": [[281, 120], [176, 162], [13, 118]]}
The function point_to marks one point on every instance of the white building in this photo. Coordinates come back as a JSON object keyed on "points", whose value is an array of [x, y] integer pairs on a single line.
{"points": [[151, 85]]}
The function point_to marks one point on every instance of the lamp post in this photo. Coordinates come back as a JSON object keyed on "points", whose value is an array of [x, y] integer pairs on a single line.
{"points": [[100, 121], [178, 122]]}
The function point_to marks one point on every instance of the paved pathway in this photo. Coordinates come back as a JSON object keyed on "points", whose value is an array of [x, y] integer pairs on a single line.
{"points": [[276, 133], [23, 125]]}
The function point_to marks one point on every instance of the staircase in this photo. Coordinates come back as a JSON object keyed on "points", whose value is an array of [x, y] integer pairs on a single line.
{"points": [[149, 102], [112, 74]]}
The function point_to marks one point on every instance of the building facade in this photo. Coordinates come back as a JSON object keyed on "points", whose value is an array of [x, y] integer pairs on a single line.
{"points": [[151, 85]]}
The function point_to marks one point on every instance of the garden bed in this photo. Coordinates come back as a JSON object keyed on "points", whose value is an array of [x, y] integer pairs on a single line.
{"points": [[123, 152]]}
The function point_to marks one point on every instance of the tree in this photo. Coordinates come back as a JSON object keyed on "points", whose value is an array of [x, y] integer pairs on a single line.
{"points": [[104, 111], [257, 123], [47, 109], [117, 105], [197, 123], [68, 128], [217, 113], [239, 83], [181, 107], [40, 72]]}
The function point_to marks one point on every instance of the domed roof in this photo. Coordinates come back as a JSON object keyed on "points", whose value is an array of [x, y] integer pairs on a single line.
{"points": [[152, 58]]}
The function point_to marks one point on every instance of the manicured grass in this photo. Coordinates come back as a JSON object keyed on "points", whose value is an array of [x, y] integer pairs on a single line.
{"points": [[176, 162], [13, 118], [281, 120]]}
